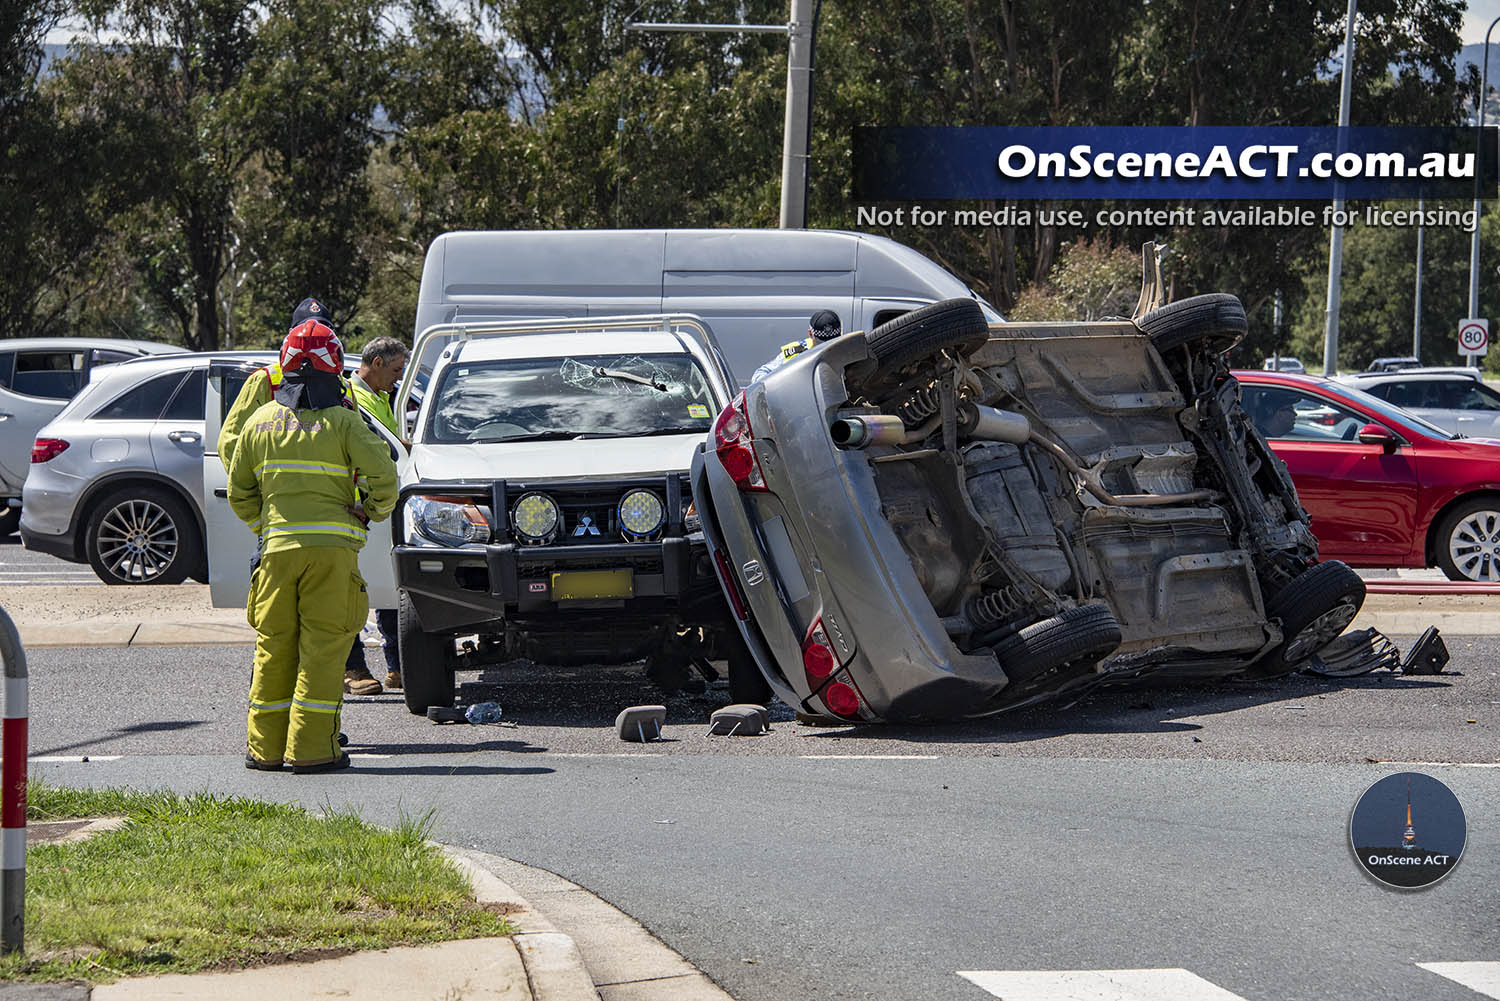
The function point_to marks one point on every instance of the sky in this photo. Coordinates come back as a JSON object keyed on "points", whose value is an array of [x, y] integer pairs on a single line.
{"points": [[1481, 14]]}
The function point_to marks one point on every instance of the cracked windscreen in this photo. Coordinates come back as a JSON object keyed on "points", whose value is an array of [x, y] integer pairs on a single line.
{"points": [[581, 396]]}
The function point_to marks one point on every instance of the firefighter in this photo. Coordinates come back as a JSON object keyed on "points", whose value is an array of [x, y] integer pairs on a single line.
{"points": [[381, 366], [824, 325], [292, 476]]}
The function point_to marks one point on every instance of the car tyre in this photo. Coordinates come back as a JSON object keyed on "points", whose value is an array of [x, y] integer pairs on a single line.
{"points": [[1215, 322], [1466, 541], [426, 662], [1084, 633], [142, 535], [910, 338], [10, 520], [1313, 610], [746, 683]]}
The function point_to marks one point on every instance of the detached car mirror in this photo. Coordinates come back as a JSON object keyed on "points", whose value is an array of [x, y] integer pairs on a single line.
{"points": [[1374, 434]]}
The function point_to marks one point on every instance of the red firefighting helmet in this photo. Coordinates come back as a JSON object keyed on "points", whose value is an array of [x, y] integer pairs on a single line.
{"points": [[315, 342]]}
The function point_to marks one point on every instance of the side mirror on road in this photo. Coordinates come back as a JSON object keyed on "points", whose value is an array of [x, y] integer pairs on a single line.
{"points": [[1374, 434]]}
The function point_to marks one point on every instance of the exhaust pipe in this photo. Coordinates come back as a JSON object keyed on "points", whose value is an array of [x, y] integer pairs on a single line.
{"points": [[862, 432]]}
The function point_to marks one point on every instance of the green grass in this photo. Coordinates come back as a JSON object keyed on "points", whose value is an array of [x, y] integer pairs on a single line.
{"points": [[206, 881]]}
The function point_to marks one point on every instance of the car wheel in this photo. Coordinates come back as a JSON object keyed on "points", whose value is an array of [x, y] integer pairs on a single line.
{"points": [[142, 535], [426, 662], [1087, 632], [10, 520], [746, 683], [914, 337], [1313, 609], [1215, 322], [1468, 541]]}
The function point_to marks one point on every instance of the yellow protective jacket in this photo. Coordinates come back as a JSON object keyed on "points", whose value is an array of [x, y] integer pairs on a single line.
{"points": [[292, 474], [254, 394], [376, 404]]}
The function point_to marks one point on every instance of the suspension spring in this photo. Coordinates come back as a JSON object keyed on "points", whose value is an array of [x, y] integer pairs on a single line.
{"points": [[997, 607], [921, 405]]}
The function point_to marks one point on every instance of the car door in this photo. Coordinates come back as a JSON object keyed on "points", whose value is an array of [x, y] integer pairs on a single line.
{"points": [[177, 436], [1362, 499], [1472, 408], [231, 545]]}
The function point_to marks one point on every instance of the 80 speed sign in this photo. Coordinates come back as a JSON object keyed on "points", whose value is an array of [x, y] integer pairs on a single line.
{"points": [[1473, 337]]}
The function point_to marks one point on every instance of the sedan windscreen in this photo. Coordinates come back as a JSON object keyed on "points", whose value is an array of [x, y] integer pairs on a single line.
{"points": [[591, 396]]}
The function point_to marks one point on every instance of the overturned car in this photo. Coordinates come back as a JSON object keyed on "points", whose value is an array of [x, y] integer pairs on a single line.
{"points": [[944, 518]]}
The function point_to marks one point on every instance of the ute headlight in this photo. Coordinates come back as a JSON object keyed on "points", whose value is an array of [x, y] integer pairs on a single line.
{"points": [[448, 521], [536, 518], [641, 513]]}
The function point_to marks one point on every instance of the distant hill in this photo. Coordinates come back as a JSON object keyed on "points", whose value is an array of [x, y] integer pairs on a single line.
{"points": [[1470, 55]]}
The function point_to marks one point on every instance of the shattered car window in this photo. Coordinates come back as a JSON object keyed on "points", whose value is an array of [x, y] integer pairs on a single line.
{"points": [[595, 396]]}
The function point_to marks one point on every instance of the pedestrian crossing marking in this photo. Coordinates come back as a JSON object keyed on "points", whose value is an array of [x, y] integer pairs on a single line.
{"points": [[1483, 978], [1097, 985]]}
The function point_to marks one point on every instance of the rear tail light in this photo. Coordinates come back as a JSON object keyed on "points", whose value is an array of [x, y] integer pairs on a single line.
{"points": [[733, 443], [731, 586], [818, 658], [46, 449], [841, 699]]}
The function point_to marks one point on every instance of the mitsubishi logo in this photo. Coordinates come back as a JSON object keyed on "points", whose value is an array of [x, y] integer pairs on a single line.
{"points": [[753, 572], [586, 526]]}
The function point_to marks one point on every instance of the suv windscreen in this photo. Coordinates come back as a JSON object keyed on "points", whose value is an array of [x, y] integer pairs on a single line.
{"points": [[592, 396]]}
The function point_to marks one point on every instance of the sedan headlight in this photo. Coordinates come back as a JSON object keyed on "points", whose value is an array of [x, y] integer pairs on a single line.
{"points": [[448, 521], [536, 518], [641, 513]]}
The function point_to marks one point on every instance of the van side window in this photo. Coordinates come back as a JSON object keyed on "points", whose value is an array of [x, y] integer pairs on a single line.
{"points": [[887, 315], [7, 366], [51, 375]]}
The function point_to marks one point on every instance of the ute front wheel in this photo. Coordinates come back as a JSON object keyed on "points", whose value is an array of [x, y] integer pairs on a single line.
{"points": [[426, 662]]}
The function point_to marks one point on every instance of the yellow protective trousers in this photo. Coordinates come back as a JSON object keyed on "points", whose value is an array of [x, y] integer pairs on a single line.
{"points": [[306, 606]]}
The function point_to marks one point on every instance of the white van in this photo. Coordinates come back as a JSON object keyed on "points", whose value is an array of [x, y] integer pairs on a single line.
{"points": [[755, 287]]}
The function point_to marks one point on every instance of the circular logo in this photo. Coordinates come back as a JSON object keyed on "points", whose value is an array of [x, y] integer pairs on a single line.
{"points": [[1473, 336], [1408, 830]]}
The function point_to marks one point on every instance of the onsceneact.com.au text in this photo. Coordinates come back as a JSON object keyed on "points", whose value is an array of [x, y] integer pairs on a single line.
{"points": [[1257, 160]]}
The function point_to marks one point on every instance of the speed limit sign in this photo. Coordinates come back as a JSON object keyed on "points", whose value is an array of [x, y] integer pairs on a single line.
{"points": [[1473, 338]]}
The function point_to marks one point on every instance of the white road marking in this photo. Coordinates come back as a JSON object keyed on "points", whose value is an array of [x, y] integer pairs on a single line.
{"points": [[356, 754], [75, 758], [1097, 985], [869, 757], [1483, 978]]}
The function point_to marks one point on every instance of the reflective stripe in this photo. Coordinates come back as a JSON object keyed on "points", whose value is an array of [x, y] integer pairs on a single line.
{"points": [[15, 698], [13, 852], [303, 466], [346, 530], [315, 706], [267, 707], [255, 525]]}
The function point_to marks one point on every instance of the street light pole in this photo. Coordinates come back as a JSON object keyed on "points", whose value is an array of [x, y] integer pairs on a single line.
{"points": [[1416, 310], [798, 98], [1336, 240], [1484, 79]]}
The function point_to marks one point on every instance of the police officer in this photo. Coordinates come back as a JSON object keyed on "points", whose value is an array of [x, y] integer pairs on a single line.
{"points": [[381, 366], [824, 325], [292, 474]]}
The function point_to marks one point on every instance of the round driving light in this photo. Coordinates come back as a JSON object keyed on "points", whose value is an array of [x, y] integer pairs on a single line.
{"points": [[841, 699], [641, 512], [535, 517]]}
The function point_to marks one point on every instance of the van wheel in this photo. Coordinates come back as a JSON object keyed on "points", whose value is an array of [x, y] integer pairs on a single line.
{"points": [[1313, 609], [10, 520], [912, 338], [1215, 322], [1085, 633], [142, 535], [426, 662]]}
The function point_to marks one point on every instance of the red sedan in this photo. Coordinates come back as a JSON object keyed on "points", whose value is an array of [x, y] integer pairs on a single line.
{"points": [[1383, 487]]}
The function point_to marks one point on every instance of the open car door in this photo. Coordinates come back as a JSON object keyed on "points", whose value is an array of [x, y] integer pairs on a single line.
{"points": [[231, 545]]}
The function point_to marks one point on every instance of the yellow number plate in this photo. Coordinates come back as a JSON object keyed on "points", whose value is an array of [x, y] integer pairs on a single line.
{"points": [[575, 585]]}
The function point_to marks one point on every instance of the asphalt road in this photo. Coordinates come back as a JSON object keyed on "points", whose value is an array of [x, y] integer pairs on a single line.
{"points": [[20, 567], [1202, 829]]}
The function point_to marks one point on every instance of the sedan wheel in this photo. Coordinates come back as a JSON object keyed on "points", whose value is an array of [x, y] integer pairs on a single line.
{"points": [[142, 537], [1470, 543]]}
